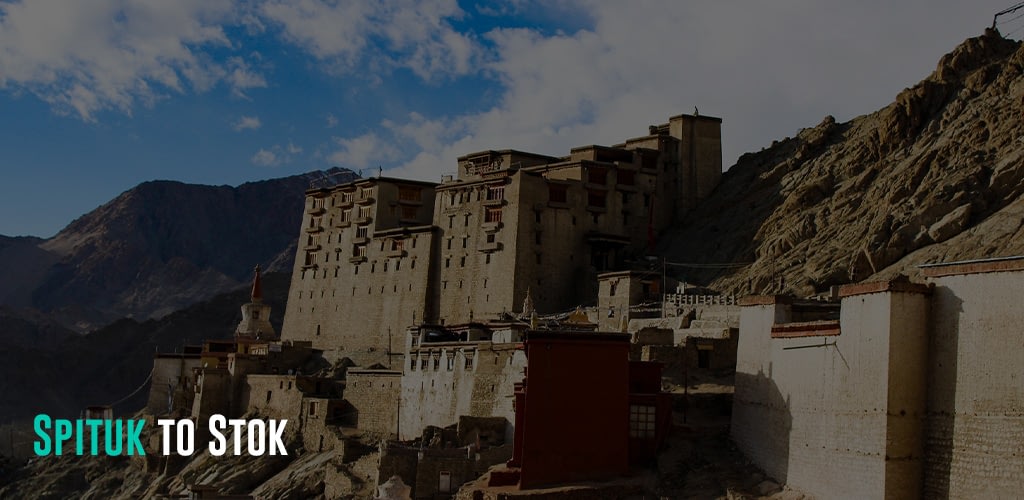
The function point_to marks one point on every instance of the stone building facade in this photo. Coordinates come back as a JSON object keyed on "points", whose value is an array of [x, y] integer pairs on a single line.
{"points": [[396, 253], [373, 397], [442, 381], [365, 251]]}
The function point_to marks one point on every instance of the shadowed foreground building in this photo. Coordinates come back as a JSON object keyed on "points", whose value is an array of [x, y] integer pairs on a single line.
{"points": [[906, 391], [584, 411]]}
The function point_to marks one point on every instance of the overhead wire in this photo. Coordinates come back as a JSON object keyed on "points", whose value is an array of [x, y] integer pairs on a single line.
{"points": [[136, 391]]}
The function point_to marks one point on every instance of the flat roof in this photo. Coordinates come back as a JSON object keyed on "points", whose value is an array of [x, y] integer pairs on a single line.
{"points": [[506, 152], [700, 117], [371, 180]]}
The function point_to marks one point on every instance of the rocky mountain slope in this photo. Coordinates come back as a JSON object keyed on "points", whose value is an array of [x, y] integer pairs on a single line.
{"points": [[156, 248], [938, 175]]}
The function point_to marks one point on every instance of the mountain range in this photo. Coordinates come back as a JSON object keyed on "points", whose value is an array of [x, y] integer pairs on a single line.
{"points": [[155, 249]]}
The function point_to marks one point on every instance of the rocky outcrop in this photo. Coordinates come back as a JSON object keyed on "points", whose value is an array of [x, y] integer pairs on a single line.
{"points": [[936, 175]]}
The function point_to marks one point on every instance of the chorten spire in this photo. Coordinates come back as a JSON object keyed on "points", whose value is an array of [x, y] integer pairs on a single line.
{"points": [[257, 287], [256, 315]]}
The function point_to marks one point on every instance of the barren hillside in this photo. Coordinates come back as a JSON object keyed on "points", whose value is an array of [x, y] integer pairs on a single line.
{"points": [[935, 176]]}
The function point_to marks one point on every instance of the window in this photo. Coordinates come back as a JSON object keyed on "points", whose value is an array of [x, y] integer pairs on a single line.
{"points": [[451, 362], [408, 212], [641, 421], [462, 261], [595, 199], [268, 396], [492, 215], [558, 193], [626, 177], [469, 362], [490, 238], [536, 237], [362, 231], [597, 176], [465, 241], [487, 259], [365, 212], [409, 194], [467, 220], [449, 243], [447, 262], [318, 203], [536, 217], [611, 291], [346, 215], [367, 192], [495, 192], [396, 245], [312, 408]]}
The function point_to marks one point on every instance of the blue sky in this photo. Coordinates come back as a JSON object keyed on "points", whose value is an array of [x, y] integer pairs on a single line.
{"points": [[97, 96]]}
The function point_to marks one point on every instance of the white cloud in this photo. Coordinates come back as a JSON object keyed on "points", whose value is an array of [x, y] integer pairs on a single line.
{"points": [[266, 158], [276, 155], [86, 56], [241, 77], [247, 123], [414, 34], [364, 151]]}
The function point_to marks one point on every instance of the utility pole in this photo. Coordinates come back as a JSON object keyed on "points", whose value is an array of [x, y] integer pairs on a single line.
{"points": [[1009, 10]]}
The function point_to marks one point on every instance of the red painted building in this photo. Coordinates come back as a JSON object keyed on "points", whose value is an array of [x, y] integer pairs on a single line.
{"points": [[584, 411]]}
